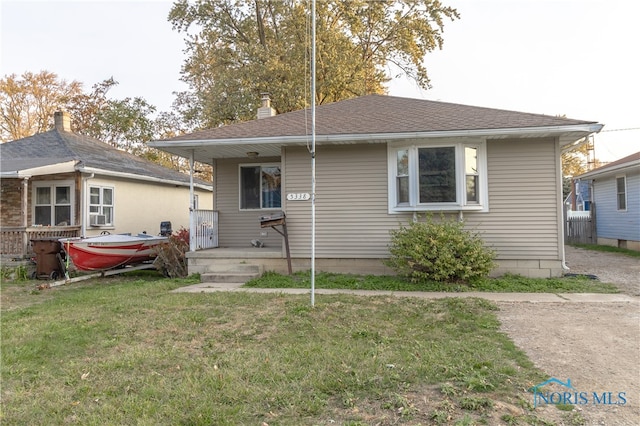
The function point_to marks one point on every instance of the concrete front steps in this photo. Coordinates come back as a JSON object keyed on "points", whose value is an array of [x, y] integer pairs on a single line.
{"points": [[232, 273]]}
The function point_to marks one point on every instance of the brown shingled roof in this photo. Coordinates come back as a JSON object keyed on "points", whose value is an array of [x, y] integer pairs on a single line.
{"points": [[379, 114]]}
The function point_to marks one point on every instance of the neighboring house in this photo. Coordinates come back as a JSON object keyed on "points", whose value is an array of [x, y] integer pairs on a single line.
{"points": [[616, 196], [579, 199], [58, 184], [382, 161]]}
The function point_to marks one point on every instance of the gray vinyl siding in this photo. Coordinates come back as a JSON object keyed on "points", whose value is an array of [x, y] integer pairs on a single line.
{"points": [[352, 219], [351, 201], [611, 222], [523, 218], [238, 227]]}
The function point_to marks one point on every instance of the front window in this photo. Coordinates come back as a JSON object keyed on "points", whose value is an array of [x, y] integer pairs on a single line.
{"points": [[621, 192], [438, 176], [53, 202], [260, 187], [100, 206]]}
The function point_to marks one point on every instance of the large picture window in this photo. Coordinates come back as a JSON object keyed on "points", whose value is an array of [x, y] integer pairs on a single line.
{"points": [[260, 186], [53, 203], [101, 206], [438, 176]]}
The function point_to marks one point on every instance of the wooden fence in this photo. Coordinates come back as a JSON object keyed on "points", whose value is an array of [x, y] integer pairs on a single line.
{"points": [[580, 229]]}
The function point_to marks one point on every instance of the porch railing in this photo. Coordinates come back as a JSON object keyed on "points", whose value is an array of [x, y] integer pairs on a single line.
{"points": [[15, 240], [203, 229]]}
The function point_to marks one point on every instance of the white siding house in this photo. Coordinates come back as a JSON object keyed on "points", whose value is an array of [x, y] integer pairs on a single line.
{"points": [[61, 184]]}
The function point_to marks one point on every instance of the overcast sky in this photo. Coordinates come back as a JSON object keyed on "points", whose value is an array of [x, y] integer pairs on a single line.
{"points": [[577, 58]]}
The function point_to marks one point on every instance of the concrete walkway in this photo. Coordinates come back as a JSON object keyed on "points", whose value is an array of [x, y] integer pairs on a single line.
{"points": [[496, 297]]}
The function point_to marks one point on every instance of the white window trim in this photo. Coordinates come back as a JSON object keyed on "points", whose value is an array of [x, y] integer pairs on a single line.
{"points": [[413, 206], [52, 184], [626, 200], [110, 225], [261, 165]]}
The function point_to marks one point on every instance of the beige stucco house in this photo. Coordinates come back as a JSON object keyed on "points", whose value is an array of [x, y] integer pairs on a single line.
{"points": [[382, 161], [61, 184]]}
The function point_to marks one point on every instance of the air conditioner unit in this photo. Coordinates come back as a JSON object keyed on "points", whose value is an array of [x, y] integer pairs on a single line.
{"points": [[98, 220]]}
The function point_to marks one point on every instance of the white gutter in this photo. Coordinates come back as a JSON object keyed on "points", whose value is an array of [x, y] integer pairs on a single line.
{"points": [[613, 169], [530, 131], [141, 177], [66, 167]]}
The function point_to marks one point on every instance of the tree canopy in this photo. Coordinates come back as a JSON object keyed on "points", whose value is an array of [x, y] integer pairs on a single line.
{"points": [[27, 103], [238, 49]]}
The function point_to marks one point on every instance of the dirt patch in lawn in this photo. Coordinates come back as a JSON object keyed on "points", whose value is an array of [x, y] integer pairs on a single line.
{"points": [[595, 345]]}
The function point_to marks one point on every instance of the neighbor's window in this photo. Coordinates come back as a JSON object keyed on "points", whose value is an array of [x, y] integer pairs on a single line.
{"points": [[101, 205], [53, 203], [260, 186], [621, 190], [442, 176]]}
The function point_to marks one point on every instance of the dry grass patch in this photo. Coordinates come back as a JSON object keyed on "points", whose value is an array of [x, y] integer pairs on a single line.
{"points": [[127, 351]]}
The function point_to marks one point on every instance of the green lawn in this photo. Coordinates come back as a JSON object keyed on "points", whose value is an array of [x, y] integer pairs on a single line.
{"points": [[124, 350], [508, 283]]}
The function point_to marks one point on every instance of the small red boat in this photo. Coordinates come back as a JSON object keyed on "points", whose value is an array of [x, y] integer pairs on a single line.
{"points": [[110, 251]]}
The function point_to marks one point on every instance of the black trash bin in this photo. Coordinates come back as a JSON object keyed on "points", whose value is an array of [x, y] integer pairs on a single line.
{"points": [[49, 258]]}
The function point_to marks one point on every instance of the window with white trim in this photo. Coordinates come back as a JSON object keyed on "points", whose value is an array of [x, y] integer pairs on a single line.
{"points": [[53, 203], [260, 186], [438, 176], [621, 192], [101, 205]]}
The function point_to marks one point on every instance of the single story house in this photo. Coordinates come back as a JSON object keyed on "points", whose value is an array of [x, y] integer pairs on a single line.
{"points": [[615, 193], [382, 161], [61, 184]]}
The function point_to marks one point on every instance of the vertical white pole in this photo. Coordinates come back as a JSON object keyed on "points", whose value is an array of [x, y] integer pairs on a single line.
{"points": [[192, 222], [313, 151]]}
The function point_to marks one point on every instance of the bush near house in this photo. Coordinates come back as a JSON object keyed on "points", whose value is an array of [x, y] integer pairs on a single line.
{"points": [[171, 257], [441, 251]]}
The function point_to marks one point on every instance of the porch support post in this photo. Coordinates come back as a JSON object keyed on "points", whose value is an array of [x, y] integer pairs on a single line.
{"points": [[24, 213], [192, 213]]}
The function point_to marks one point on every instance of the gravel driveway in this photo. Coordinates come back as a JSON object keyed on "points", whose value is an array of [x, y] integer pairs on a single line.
{"points": [[596, 345]]}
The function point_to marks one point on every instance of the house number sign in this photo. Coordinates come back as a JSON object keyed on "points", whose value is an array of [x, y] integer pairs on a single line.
{"points": [[298, 196]]}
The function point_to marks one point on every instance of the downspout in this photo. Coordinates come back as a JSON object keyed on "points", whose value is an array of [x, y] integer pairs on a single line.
{"points": [[560, 203]]}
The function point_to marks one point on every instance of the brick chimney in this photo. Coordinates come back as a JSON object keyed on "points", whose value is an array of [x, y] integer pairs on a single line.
{"points": [[62, 121], [266, 110]]}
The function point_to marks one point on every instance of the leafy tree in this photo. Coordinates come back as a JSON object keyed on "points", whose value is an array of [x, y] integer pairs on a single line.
{"points": [[27, 102], [576, 161], [238, 49]]}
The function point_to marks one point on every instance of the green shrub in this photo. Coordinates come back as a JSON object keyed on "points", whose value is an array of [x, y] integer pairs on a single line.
{"points": [[439, 251]]}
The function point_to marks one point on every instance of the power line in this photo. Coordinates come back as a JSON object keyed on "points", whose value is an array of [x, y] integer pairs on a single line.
{"points": [[620, 130]]}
